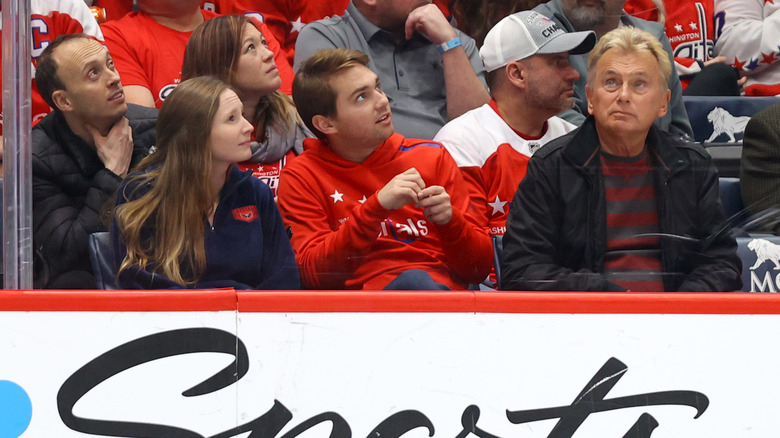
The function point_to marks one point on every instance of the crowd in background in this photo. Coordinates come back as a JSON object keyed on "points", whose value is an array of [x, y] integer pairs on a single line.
{"points": [[442, 81]]}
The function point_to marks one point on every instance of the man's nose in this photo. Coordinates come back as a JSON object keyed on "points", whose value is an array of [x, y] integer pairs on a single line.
{"points": [[382, 101], [624, 92], [572, 73], [112, 77]]}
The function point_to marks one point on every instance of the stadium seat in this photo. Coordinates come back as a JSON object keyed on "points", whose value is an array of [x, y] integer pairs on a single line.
{"points": [[719, 123], [760, 257], [718, 119], [498, 250], [101, 254], [731, 198]]}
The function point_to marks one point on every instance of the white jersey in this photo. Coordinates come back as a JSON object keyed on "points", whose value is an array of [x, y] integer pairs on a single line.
{"points": [[751, 41], [476, 135]]}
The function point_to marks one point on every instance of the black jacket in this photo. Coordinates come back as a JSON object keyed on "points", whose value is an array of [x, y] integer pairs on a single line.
{"points": [[556, 229], [73, 191]]}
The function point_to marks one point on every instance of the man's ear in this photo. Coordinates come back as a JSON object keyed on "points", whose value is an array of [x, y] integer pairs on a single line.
{"points": [[587, 96], [61, 101], [324, 124], [514, 74], [662, 111]]}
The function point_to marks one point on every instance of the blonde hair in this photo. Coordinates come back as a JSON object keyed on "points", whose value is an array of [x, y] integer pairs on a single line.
{"points": [[630, 40], [213, 50], [180, 196]]}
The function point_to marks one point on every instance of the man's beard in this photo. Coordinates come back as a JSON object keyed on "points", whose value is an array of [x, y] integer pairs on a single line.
{"points": [[585, 18]]}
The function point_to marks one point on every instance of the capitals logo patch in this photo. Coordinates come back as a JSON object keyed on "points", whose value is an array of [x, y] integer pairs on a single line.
{"points": [[246, 214]]}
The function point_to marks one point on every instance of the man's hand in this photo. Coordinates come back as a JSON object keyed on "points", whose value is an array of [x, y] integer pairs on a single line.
{"points": [[435, 202], [115, 149], [722, 59], [717, 59], [429, 21], [401, 190]]}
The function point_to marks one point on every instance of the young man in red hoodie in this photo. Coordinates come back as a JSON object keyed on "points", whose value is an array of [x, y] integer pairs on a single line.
{"points": [[367, 207]]}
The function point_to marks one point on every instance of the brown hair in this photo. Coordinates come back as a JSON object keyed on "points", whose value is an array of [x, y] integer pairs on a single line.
{"points": [[46, 73], [213, 50], [180, 194], [312, 93]]}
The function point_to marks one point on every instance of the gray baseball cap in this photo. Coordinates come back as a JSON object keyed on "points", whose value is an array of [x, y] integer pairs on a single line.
{"points": [[527, 33]]}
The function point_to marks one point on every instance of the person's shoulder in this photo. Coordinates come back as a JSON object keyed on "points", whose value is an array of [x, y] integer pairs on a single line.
{"points": [[44, 136], [683, 145], [553, 147], [559, 123], [130, 20], [464, 124], [135, 185], [332, 22], [307, 162], [420, 146], [208, 15], [545, 9], [653, 27], [771, 113], [139, 113], [259, 189]]}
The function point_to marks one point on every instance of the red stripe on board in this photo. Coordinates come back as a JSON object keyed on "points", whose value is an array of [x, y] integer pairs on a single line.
{"points": [[358, 301], [118, 301], [511, 302], [379, 301], [629, 302]]}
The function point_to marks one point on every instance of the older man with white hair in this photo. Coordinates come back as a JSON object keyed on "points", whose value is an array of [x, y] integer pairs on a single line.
{"points": [[619, 204]]}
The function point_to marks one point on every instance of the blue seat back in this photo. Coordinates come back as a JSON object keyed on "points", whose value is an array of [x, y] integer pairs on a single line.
{"points": [[731, 198], [760, 263], [722, 119], [101, 254]]}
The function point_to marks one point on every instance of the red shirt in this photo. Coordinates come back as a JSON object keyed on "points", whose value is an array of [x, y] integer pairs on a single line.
{"points": [[149, 54], [344, 239]]}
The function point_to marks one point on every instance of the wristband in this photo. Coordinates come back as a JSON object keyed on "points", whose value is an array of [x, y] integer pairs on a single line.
{"points": [[451, 44]]}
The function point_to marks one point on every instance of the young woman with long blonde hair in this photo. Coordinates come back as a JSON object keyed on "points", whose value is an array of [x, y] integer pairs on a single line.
{"points": [[188, 217]]}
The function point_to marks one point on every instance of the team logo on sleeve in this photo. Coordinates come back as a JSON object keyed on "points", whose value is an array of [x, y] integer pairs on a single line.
{"points": [[245, 214]]}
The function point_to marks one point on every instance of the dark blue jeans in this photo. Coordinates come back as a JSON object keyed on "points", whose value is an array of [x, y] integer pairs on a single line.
{"points": [[414, 279]]}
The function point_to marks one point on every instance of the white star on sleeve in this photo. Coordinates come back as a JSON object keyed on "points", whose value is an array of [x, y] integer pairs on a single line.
{"points": [[693, 25], [337, 197], [362, 201], [297, 25], [678, 27], [498, 205]]}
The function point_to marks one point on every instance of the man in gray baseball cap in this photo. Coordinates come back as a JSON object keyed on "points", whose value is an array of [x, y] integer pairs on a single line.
{"points": [[530, 80]]}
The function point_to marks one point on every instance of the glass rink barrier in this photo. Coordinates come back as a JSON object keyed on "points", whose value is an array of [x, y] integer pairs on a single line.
{"points": [[223, 363]]}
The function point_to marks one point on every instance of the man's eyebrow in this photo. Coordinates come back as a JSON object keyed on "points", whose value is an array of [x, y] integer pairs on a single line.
{"points": [[641, 73], [359, 90], [91, 64]]}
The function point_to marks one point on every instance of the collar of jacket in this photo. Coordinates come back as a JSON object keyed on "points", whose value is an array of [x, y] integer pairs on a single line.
{"points": [[84, 155], [583, 147]]}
